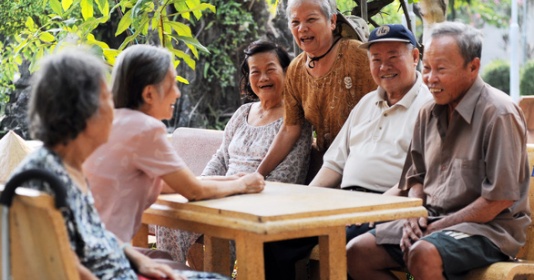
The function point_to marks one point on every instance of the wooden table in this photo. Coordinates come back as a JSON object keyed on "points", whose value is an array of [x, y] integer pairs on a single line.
{"points": [[281, 211]]}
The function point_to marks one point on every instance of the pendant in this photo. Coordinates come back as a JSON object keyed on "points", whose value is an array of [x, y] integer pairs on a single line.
{"points": [[348, 82]]}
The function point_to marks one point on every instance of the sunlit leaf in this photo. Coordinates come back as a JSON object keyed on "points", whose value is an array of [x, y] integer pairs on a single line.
{"points": [[180, 28], [124, 23], [46, 37], [87, 8], [186, 58], [56, 7], [110, 55], [30, 24], [103, 7], [66, 4], [182, 79]]}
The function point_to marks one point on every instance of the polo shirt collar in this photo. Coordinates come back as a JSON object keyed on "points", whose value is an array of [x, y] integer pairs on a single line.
{"points": [[466, 107], [407, 100]]}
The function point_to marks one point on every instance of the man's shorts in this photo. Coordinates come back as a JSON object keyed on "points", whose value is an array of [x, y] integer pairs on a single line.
{"points": [[459, 252]]}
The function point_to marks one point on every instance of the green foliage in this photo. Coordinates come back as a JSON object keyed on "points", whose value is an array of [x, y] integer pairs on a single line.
{"points": [[497, 74], [493, 12], [526, 85], [74, 22], [239, 27]]}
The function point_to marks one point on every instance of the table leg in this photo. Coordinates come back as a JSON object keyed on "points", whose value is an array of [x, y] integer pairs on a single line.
{"points": [[217, 255], [250, 262], [332, 256]]}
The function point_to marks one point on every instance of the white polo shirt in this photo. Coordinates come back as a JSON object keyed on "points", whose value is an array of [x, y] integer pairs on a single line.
{"points": [[371, 147]]}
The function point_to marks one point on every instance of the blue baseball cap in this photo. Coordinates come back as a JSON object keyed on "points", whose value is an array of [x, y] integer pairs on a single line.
{"points": [[390, 33]]}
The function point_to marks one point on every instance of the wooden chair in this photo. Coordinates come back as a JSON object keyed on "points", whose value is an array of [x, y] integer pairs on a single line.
{"points": [[38, 239], [527, 105], [524, 266]]}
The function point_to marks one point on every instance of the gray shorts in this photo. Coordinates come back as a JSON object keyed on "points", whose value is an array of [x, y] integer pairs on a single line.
{"points": [[459, 252]]}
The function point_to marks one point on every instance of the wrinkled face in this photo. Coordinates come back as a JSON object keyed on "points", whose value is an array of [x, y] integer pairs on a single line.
{"points": [[99, 125], [445, 72], [167, 93], [311, 29], [393, 66], [266, 75]]}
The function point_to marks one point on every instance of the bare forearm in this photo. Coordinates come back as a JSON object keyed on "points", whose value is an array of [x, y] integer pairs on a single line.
{"points": [[326, 177], [280, 148], [479, 211]]}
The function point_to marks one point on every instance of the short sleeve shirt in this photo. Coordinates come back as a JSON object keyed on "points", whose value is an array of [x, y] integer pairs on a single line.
{"points": [[244, 146], [371, 147], [480, 152], [124, 174], [97, 248], [326, 101]]}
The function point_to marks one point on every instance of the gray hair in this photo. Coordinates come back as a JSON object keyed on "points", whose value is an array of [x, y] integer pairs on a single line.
{"points": [[137, 67], [328, 7], [468, 38], [65, 94]]}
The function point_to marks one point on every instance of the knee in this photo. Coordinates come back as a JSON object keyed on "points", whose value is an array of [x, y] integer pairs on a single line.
{"points": [[423, 254], [358, 247]]}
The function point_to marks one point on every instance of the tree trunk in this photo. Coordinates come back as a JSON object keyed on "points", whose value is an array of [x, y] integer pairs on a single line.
{"points": [[432, 11]]}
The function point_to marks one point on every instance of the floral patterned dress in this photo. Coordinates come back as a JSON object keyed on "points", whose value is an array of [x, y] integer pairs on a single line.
{"points": [[243, 148], [97, 248]]}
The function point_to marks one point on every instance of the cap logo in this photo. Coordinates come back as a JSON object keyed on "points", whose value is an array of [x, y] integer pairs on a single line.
{"points": [[383, 30]]}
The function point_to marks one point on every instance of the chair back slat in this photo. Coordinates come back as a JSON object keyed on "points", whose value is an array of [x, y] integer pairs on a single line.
{"points": [[40, 247]]}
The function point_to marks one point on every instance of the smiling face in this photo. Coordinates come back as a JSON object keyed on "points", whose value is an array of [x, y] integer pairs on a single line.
{"points": [[446, 73], [159, 100], [393, 66], [266, 76], [311, 29]]}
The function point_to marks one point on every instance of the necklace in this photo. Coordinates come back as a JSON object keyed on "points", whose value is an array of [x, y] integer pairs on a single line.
{"points": [[312, 61]]}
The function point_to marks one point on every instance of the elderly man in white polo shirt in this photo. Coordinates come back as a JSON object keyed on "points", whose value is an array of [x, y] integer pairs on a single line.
{"points": [[369, 152]]}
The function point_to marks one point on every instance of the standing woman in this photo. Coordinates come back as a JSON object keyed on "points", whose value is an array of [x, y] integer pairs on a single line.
{"points": [[323, 83], [128, 173]]}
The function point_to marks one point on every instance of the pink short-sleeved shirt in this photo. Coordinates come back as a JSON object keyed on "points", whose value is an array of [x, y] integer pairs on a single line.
{"points": [[124, 174]]}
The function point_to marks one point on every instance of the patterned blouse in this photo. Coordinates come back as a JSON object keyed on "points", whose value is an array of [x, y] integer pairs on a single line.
{"points": [[97, 248], [244, 146], [242, 149]]}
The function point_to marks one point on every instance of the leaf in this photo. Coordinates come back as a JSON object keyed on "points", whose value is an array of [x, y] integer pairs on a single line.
{"points": [[66, 4], [110, 55], [87, 9], [56, 7], [93, 41], [30, 24], [124, 23], [183, 56], [103, 7], [46, 37], [180, 28], [191, 41], [182, 79]]}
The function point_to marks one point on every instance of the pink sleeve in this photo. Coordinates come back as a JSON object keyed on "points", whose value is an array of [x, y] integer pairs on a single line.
{"points": [[154, 153]]}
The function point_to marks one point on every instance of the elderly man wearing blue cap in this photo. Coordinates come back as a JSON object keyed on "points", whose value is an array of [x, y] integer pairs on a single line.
{"points": [[369, 152]]}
